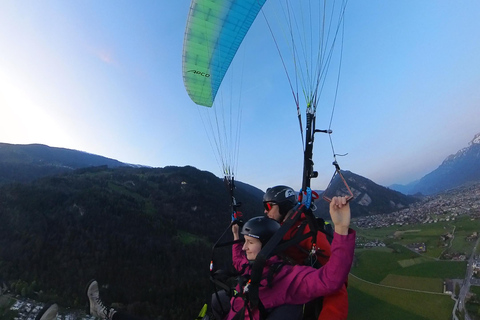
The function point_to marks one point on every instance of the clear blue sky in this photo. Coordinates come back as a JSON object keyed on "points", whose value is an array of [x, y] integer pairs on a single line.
{"points": [[105, 77]]}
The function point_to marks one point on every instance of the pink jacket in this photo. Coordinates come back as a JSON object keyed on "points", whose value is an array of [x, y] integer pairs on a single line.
{"points": [[298, 284]]}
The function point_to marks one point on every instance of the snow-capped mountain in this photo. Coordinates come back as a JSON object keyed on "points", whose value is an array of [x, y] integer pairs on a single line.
{"points": [[457, 169], [465, 151]]}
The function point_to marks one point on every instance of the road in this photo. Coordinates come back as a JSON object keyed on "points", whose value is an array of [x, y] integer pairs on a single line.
{"points": [[467, 282]]}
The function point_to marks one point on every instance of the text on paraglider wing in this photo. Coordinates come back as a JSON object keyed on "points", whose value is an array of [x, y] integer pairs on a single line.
{"points": [[204, 74]]}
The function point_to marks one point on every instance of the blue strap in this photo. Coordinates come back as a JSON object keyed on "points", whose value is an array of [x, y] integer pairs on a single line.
{"points": [[307, 197]]}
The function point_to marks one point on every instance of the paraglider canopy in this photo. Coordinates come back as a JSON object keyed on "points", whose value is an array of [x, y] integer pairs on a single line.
{"points": [[215, 30]]}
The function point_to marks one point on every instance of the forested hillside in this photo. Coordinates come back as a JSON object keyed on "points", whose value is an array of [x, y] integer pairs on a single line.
{"points": [[27, 162], [145, 233]]}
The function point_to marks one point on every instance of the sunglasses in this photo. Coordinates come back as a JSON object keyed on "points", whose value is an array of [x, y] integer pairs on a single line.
{"points": [[268, 205]]}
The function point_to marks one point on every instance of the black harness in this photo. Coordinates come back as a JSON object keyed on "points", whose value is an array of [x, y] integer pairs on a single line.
{"points": [[250, 285]]}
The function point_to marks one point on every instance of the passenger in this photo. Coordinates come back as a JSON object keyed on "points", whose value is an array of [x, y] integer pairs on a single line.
{"points": [[278, 201], [284, 284]]}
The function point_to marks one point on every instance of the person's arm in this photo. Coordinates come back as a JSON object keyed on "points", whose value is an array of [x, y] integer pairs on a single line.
{"points": [[238, 258], [304, 283]]}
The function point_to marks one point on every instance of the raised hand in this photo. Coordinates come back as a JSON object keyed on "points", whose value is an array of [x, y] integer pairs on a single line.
{"points": [[340, 214], [235, 231]]}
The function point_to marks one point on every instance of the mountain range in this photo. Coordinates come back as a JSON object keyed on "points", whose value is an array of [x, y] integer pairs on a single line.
{"points": [[146, 233], [369, 198], [456, 170], [26, 163]]}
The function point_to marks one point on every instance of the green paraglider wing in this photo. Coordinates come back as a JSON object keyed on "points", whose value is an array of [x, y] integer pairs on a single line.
{"points": [[215, 30]]}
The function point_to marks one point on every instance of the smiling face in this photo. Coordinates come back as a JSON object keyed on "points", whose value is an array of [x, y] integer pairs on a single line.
{"points": [[252, 247]]}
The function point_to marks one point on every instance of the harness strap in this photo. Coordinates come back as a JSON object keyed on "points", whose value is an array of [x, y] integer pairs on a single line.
{"points": [[240, 315], [244, 294], [272, 271], [312, 222], [267, 251], [218, 283], [291, 242], [271, 247]]}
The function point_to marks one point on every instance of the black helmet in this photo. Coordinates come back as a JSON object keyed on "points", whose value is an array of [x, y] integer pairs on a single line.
{"points": [[262, 228], [283, 196]]}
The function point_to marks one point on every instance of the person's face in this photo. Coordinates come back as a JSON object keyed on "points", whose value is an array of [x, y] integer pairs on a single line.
{"points": [[252, 247], [272, 211]]}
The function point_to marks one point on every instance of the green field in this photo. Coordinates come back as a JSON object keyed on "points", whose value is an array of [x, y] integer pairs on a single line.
{"points": [[414, 283], [413, 261], [429, 234], [363, 306], [375, 265], [475, 290], [436, 269], [394, 282], [371, 301]]}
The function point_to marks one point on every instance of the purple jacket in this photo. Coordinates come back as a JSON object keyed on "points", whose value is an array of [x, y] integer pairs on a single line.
{"points": [[298, 284]]}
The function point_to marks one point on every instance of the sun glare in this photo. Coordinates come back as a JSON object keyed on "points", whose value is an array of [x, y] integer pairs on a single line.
{"points": [[23, 120]]}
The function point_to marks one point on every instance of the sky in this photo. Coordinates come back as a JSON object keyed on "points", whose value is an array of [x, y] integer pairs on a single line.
{"points": [[105, 77]]}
